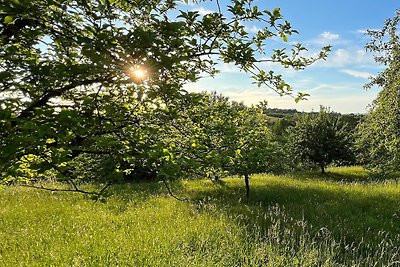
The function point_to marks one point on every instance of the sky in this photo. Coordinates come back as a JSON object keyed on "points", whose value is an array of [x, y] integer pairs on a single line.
{"points": [[338, 82]]}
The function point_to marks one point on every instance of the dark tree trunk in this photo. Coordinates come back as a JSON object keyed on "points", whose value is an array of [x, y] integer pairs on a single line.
{"points": [[322, 168], [246, 182]]}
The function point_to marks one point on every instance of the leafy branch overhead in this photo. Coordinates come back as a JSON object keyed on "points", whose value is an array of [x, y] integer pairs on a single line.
{"points": [[59, 46]]}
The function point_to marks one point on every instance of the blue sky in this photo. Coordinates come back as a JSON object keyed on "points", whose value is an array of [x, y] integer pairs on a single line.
{"points": [[337, 82]]}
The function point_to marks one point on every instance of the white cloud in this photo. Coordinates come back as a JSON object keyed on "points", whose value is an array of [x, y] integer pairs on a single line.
{"points": [[340, 97], [329, 36], [203, 11], [326, 38], [341, 57], [347, 57], [353, 103], [229, 68], [364, 31], [329, 95], [252, 29], [357, 74], [249, 27]]}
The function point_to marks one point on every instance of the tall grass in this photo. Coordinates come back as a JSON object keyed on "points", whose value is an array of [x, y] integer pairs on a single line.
{"points": [[341, 219]]}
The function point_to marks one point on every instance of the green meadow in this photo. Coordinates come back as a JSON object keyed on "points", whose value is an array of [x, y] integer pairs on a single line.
{"points": [[343, 218]]}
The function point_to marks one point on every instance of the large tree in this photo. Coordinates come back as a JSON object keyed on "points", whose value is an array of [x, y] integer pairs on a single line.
{"points": [[98, 78], [378, 135]]}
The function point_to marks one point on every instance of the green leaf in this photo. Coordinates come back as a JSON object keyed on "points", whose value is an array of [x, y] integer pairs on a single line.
{"points": [[50, 140], [8, 19]]}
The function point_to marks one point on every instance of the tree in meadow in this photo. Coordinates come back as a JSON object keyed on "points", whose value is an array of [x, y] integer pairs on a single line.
{"points": [[320, 138], [252, 147], [223, 137]]}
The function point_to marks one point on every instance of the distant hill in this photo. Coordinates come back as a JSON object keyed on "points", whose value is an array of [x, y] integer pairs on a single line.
{"points": [[281, 119], [281, 113]]}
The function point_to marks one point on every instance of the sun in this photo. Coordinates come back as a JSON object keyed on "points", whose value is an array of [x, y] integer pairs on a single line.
{"points": [[138, 73]]}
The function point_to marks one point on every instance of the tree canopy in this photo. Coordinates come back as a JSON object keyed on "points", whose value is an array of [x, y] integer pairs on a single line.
{"points": [[101, 80]]}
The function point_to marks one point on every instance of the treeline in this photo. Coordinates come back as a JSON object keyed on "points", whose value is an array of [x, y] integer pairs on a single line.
{"points": [[283, 113]]}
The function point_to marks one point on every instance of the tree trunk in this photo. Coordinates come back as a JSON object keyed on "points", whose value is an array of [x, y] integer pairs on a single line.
{"points": [[246, 182], [322, 168]]}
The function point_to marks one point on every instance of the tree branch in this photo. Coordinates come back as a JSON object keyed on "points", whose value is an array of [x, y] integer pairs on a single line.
{"points": [[170, 192], [53, 93], [75, 190]]}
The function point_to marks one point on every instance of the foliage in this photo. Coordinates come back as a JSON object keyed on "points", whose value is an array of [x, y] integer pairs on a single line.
{"points": [[320, 139], [378, 136], [215, 137], [254, 149], [101, 80]]}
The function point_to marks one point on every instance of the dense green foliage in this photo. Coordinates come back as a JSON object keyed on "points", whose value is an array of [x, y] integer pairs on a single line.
{"points": [[378, 136], [306, 220], [93, 89], [321, 139]]}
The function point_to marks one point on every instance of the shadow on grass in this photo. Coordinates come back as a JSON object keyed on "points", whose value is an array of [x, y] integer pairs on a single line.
{"points": [[142, 191], [350, 214], [359, 176], [352, 211]]}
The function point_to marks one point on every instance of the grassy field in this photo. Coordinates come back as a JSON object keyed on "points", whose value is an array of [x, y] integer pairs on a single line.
{"points": [[341, 219]]}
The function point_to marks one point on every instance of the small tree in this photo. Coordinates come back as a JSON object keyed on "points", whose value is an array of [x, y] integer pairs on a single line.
{"points": [[252, 149], [320, 138], [218, 137]]}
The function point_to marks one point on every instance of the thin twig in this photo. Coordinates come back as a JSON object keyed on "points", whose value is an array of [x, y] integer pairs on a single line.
{"points": [[105, 187], [75, 190], [219, 7], [170, 192]]}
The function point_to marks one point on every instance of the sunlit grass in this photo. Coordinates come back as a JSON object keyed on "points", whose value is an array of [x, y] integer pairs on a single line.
{"points": [[299, 220]]}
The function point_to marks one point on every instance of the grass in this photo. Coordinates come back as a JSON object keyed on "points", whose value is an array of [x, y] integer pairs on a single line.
{"points": [[341, 219]]}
